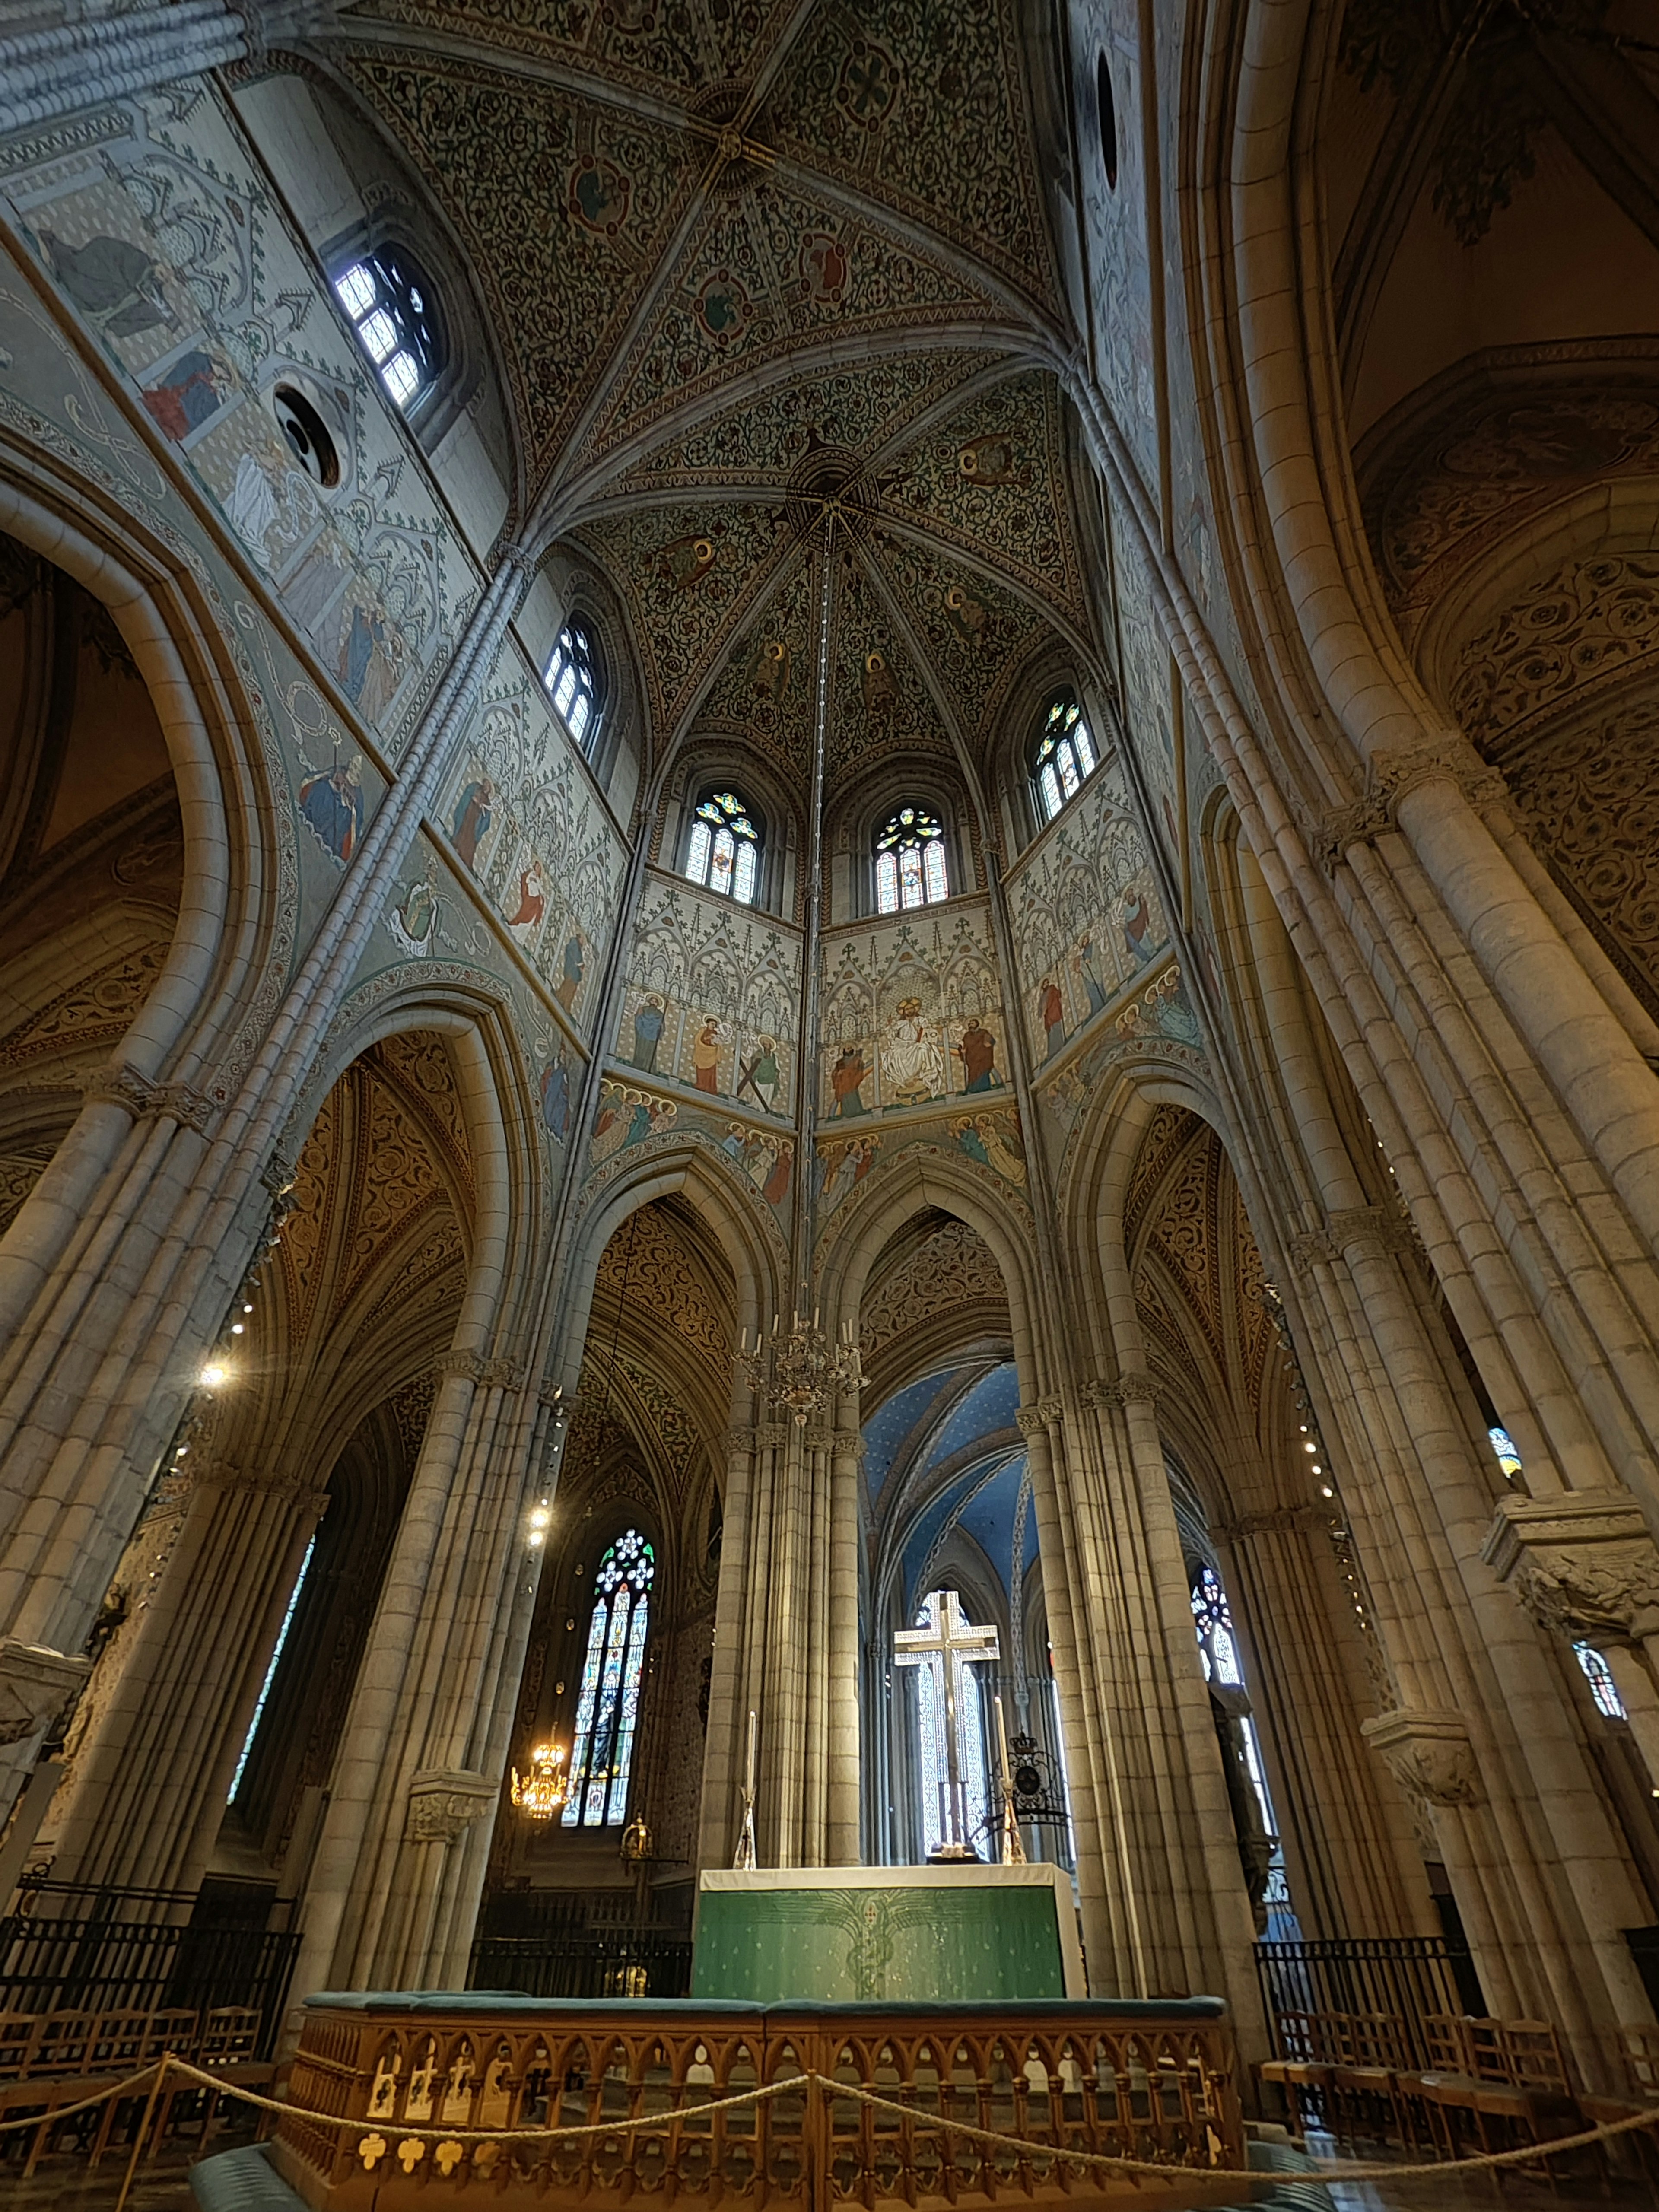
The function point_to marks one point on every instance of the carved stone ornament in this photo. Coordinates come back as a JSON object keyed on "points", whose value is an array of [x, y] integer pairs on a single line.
{"points": [[771, 1436], [295, 1484], [147, 1101], [444, 1802], [1428, 1753], [1124, 1390], [486, 1374], [1393, 777], [35, 1685], [1275, 1520], [1033, 1421], [1583, 1563]]}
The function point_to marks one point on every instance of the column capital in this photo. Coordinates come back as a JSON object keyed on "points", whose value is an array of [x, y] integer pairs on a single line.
{"points": [[1429, 1755], [1584, 1562], [292, 1484], [1038, 1416], [1275, 1520], [1365, 1232], [146, 1101], [1393, 776], [445, 1800]]}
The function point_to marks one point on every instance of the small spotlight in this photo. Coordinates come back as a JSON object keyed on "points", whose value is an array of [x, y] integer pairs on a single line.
{"points": [[236, 1330], [247, 1309], [1325, 1490], [1308, 1448], [213, 1375]]}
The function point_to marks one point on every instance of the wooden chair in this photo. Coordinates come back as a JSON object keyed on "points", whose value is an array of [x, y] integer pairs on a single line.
{"points": [[19, 2032], [1446, 2086], [1309, 2038], [1366, 2078]]}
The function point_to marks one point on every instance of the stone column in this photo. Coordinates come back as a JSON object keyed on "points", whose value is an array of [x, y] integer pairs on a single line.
{"points": [[147, 1786], [842, 1834], [400, 1863], [729, 1677]]}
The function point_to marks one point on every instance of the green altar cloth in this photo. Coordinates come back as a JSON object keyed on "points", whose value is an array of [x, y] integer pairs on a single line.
{"points": [[850, 1935]]}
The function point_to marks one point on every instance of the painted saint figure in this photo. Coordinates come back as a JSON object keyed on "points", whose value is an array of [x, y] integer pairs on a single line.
{"points": [[912, 1063], [555, 1099], [1088, 974], [978, 1054], [648, 1017], [706, 1056], [846, 1079], [1051, 1011], [532, 905], [333, 805], [760, 1075], [575, 963], [472, 818]]}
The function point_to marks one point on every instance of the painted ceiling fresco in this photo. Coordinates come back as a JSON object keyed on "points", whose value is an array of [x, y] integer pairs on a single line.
{"points": [[739, 259]]}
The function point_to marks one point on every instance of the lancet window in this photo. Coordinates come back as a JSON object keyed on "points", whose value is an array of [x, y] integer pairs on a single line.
{"points": [[1217, 1647], [608, 1701], [1604, 1688], [391, 305], [572, 683], [1064, 754], [725, 847], [270, 1673], [910, 865]]}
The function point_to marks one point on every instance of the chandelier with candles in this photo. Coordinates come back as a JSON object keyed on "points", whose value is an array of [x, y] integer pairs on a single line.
{"points": [[801, 1368], [541, 1793]]}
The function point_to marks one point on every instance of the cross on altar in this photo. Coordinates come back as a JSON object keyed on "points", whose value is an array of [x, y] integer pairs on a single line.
{"points": [[945, 1644]]}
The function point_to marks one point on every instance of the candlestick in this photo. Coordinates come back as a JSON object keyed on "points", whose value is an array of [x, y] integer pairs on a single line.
{"points": [[749, 1769], [1014, 1845]]}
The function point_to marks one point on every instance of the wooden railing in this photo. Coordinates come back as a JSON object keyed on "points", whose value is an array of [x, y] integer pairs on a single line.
{"points": [[1144, 2082]]}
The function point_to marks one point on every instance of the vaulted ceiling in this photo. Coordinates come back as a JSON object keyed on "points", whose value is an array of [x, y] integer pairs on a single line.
{"points": [[745, 264]]}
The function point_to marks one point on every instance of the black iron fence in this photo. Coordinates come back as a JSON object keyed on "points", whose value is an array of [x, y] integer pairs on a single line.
{"points": [[613, 1960], [93, 1962], [1410, 1978]]}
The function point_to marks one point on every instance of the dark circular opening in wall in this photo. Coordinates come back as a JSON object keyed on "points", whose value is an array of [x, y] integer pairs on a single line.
{"points": [[307, 435], [1108, 110]]}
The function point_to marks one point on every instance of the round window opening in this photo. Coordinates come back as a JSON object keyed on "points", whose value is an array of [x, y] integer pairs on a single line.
{"points": [[307, 435], [1107, 108]]}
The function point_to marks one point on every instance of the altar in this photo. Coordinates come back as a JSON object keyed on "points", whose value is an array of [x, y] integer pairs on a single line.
{"points": [[946, 1934]]}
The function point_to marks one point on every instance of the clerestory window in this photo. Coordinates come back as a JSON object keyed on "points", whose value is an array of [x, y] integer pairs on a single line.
{"points": [[393, 310], [910, 864], [572, 678], [725, 847], [1063, 757]]}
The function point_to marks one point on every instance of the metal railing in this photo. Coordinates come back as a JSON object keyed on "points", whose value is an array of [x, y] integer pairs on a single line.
{"points": [[613, 1961], [1409, 1977], [53, 1965]]}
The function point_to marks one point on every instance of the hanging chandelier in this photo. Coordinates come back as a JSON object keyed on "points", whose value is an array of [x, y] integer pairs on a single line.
{"points": [[801, 1369], [539, 1794]]}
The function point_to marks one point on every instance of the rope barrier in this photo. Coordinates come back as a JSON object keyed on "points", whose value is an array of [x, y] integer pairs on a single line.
{"points": [[1321, 2170]]}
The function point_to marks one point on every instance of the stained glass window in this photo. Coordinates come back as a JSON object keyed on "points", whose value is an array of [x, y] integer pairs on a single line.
{"points": [[270, 1674], [1063, 755], [910, 868], [1604, 1688], [1504, 1445], [935, 1777], [391, 308], [608, 1701], [724, 851], [573, 683], [1217, 1644]]}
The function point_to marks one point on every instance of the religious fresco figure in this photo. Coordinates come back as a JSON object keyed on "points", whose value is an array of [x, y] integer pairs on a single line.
{"points": [[1051, 1011], [761, 1075], [1136, 920], [912, 1060], [1087, 964], [532, 905], [706, 1056], [190, 396], [649, 1016], [111, 279], [332, 803], [555, 1099], [846, 1082], [574, 961], [978, 1054], [775, 1189], [876, 680], [472, 818], [769, 671]]}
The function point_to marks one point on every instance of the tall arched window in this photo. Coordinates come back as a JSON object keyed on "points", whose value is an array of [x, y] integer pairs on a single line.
{"points": [[608, 1703], [1217, 1647], [391, 308], [1064, 754], [725, 848], [910, 868], [572, 678], [944, 1672]]}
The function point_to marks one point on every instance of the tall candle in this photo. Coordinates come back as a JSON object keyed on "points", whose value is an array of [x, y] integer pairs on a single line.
{"points": [[749, 1773]]}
